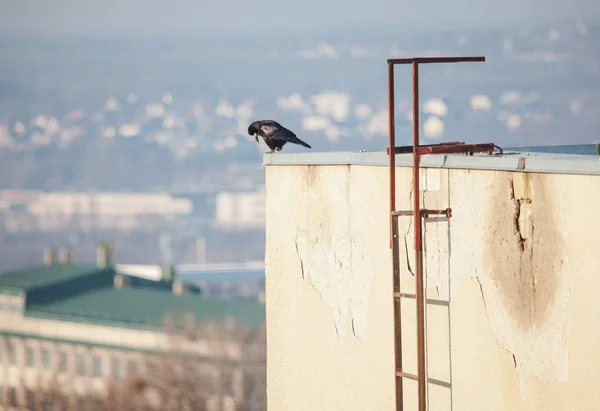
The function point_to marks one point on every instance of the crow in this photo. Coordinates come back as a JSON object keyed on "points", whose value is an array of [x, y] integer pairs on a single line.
{"points": [[274, 135]]}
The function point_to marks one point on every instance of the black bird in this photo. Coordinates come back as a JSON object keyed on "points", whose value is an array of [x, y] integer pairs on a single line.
{"points": [[274, 134]]}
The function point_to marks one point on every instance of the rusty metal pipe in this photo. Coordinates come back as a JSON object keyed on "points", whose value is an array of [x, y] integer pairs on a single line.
{"points": [[392, 144], [418, 242], [428, 60], [397, 317], [394, 240]]}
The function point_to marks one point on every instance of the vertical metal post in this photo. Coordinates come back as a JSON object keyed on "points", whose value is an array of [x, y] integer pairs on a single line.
{"points": [[392, 145], [397, 318], [417, 213], [418, 237], [394, 240]]}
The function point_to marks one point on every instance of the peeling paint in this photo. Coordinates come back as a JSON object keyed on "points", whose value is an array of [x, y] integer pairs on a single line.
{"points": [[522, 218], [528, 299], [526, 292], [517, 257], [340, 271], [331, 257]]}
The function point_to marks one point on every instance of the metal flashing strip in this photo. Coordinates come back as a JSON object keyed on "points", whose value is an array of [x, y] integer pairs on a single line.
{"points": [[534, 162], [578, 149]]}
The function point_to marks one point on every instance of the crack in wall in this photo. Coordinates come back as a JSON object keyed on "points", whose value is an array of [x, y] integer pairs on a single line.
{"points": [[521, 239], [526, 298], [408, 232], [330, 256], [408, 254], [340, 271], [486, 309], [300, 258]]}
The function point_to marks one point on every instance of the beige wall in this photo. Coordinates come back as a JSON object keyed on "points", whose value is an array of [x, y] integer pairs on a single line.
{"points": [[512, 280]]}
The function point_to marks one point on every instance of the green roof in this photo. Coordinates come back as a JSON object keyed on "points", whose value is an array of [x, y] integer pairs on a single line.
{"points": [[83, 293], [43, 276], [131, 307]]}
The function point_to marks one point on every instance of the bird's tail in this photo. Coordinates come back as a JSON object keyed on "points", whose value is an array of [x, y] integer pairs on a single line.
{"points": [[302, 143]]}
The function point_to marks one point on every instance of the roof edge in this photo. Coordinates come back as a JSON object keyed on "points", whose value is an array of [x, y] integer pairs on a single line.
{"points": [[533, 162]]}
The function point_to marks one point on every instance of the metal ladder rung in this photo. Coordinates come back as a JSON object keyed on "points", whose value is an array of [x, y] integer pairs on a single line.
{"points": [[403, 374], [424, 212], [434, 381], [401, 213], [398, 295]]}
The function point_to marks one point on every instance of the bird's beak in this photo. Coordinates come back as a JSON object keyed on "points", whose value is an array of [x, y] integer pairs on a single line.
{"points": [[256, 137]]}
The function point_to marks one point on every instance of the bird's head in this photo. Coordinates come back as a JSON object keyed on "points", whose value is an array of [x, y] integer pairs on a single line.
{"points": [[253, 130]]}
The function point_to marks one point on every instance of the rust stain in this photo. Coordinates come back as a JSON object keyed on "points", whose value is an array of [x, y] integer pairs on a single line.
{"points": [[523, 246], [312, 176], [317, 209]]}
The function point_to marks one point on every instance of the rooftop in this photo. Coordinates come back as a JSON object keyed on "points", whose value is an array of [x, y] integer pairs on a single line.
{"points": [[83, 293], [38, 277], [143, 307], [572, 159]]}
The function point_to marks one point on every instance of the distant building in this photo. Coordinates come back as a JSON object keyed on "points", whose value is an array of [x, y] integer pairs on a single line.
{"points": [[95, 327], [240, 210], [246, 280], [38, 211], [49, 211]]}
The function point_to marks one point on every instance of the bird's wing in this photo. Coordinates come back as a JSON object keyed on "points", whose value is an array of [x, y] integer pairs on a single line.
{"points": [[277, 132], [269, 128]]}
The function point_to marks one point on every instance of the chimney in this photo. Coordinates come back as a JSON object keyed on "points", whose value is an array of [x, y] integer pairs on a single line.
{"points": [[121, 281], [65, 256], [49, 256], [104, 255]]}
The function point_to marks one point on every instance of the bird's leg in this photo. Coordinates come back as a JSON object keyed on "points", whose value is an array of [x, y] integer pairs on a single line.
{"points": [[269, 152]]}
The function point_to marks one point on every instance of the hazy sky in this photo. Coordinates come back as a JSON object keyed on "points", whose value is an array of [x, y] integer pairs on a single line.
{"points": [[184, 17]]}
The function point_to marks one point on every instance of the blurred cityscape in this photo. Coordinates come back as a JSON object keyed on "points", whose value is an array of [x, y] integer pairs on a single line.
{"points": [[144, 143], [108, 336]]}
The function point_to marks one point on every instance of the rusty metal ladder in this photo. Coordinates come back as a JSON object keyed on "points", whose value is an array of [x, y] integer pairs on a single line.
{"points": [[418, 214]]}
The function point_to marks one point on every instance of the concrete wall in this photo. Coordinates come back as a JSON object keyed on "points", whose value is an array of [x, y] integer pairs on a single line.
{"points": [[512, 281]]}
